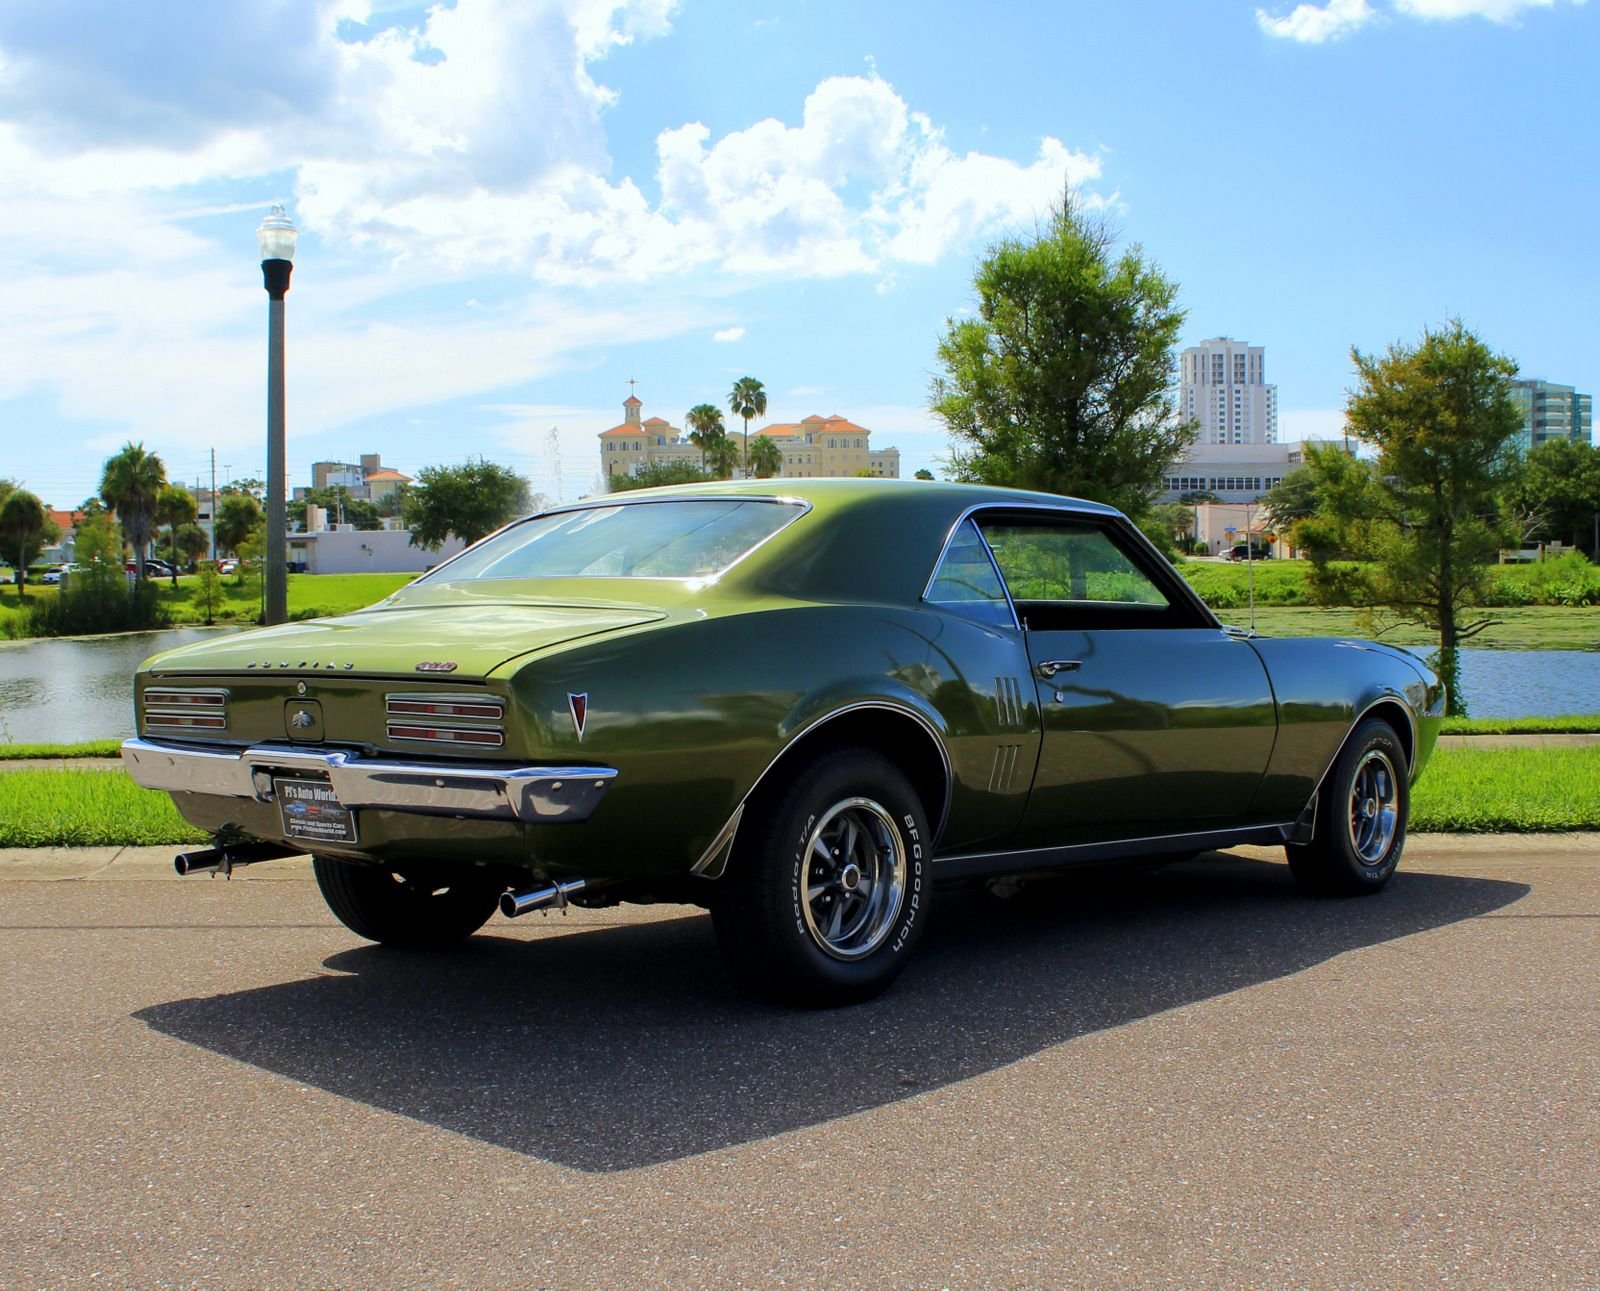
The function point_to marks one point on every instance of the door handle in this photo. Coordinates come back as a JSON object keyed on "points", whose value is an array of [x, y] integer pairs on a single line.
{"points": [[1050, 667]]}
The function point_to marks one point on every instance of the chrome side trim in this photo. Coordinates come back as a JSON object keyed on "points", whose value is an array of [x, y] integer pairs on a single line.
{"points": [[1411, 719], [715, 858], [702, 867], [537, 795], [1039, 858]]}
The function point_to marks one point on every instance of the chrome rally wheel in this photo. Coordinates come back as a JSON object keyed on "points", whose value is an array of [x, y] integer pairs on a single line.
{"points": [[1374, 807], [827, 889], [855, 878], [1362, 807]]}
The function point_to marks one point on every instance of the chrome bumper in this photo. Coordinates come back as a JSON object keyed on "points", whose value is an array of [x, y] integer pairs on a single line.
{"points": [[538, 795]]}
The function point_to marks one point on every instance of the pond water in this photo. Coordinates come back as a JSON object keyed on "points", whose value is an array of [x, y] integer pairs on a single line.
{"points": [[73, 689], [81, 688], [1529, 683]]}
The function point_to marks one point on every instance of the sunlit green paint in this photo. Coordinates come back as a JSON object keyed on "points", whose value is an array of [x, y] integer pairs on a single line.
{"points": [[697, 689]]}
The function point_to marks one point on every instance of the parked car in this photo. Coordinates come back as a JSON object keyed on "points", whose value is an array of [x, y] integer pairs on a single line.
{"points": [[1243, 551], [802, 704]]}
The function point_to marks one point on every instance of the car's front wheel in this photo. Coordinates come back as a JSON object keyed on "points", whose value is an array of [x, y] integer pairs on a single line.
{"points": [[416, 912], [827, 891], [1361, 817]]}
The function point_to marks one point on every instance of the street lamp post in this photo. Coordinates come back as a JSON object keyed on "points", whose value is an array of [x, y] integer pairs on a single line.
{"points": [[277, 235]]}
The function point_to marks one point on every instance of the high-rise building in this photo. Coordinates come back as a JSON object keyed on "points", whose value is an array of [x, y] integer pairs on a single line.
{"points": [[1551, 411], [1224, 388]]}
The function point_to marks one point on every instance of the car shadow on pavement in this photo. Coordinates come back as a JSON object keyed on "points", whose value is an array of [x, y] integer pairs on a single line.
{"points": [[628, 1046]]}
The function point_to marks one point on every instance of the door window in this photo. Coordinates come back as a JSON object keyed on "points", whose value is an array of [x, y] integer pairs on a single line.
{"points": [[1075, 574]]}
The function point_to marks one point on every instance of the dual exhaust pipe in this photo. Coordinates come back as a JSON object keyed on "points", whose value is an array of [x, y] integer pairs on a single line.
{"points": [[541, 898], [224, 860]]}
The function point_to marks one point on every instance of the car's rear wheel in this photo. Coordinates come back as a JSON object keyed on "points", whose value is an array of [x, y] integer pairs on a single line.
{"points": [[1361, 817], [827, 891], [416, 911]]}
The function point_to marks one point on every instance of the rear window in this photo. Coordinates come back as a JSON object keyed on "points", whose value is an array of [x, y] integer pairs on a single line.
{"points": [[689, 539]]}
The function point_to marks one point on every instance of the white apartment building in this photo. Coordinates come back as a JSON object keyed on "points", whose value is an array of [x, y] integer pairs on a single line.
{"points": [[1224, 388]]}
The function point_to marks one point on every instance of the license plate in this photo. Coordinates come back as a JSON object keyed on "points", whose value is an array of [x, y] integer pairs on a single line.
{"points": [[311, 811]]}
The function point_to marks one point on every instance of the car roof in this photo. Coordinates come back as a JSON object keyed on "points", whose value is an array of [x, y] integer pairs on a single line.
{"points": [[862, 539]]}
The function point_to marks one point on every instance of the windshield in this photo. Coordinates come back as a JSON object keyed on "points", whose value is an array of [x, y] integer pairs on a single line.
{"points": [[688, 539]]}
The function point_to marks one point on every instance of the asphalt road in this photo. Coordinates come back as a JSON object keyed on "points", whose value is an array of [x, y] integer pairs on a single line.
{"points": [[1192, 1078]]}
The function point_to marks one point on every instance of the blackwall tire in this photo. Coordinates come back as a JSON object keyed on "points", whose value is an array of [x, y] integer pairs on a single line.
{"points": [[411, 913], [828, 888], [1361, 817]]}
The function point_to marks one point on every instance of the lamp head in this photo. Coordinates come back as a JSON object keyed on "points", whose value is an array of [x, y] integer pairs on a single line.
{"points": [[276, 235]]}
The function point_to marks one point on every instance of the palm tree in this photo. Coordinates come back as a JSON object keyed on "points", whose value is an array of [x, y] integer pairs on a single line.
{"points": [[724, 455], [747, 399], [705, 428], [766, 458], [131, 486]]}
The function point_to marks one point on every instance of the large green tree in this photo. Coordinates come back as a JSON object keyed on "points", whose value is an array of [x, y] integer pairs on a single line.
{"points": [[131, 486], [1064, 379], [1557, 493], [23, 523], [468, 501], [1440, 421], [747, 399]]}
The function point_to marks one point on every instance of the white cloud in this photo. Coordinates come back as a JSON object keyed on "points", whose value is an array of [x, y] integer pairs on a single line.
{"points": [[1312, 24], [1501, 11], [1315, 23], [728, 334]]}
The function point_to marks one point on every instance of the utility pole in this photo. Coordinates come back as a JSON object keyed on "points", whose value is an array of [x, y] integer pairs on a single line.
{"points": [[213, 506], [554, 440]]}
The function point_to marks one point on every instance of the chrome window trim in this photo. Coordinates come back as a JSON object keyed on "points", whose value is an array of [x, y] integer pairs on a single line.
{"points": [[933, 575], [1169, 582]]}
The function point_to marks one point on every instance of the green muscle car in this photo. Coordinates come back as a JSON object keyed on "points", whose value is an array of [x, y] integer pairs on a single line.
{"points": [[802, 704]]}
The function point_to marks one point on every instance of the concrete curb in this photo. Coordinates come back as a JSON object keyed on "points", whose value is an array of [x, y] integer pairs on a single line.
{"points": [[118, 864], [147, 864]]}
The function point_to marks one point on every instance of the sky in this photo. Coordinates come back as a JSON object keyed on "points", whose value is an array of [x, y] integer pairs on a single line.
{"points": [[511, 209]]}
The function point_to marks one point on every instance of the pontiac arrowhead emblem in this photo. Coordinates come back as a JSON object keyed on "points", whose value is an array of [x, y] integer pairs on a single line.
{"points": [[302, 719], [579, 707]]}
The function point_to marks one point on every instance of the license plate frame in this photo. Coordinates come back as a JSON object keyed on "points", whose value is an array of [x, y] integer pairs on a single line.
{"points": [[312, 812]]}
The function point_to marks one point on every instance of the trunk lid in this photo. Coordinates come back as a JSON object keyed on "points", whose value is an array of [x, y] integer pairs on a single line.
{"points": [[456, 641]]}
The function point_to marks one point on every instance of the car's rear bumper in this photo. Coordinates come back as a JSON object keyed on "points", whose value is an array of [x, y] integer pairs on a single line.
{"points": [[534, 794]]}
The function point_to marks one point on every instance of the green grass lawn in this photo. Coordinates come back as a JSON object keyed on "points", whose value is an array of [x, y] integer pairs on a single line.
{"points": [[86, 809], [1462, 791], [310, 596], [1521, 791]]}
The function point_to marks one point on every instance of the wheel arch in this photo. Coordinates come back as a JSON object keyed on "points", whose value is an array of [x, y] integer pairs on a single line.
{"points": [[903, 735]]}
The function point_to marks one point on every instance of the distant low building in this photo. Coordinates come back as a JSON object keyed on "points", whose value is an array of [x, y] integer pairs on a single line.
{"points": [[345, 549], [369, 479], [817, 446], [1235, 473]]}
